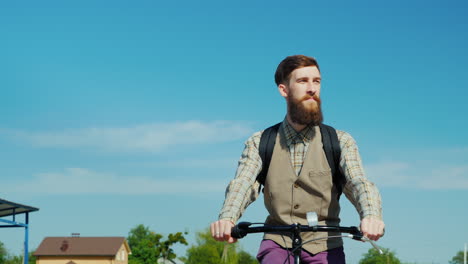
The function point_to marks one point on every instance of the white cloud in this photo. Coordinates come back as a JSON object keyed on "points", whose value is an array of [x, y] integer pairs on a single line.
{"points": [[212, 163], [447, 177], [146, 137], [83, 181], [389, 173], [72, 181], [419, 174]]}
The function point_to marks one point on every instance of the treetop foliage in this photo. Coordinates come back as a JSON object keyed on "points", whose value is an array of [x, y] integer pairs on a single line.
{"points": [[148, 247], [374, 257], [209, 251], [458, 258]]}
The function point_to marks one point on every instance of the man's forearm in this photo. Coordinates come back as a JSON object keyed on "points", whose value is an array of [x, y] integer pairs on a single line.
{"points": [[244, 189], [237, 201], [361, 192]]}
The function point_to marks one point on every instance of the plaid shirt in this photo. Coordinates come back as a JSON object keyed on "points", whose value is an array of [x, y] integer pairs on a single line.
{"points": [[244, 189]]}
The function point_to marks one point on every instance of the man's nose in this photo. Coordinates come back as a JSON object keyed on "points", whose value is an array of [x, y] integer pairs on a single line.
{"points": [[311, 88]]}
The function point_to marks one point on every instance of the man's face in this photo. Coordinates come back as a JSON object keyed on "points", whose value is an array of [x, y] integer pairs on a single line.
{"points": [[302, 94]]}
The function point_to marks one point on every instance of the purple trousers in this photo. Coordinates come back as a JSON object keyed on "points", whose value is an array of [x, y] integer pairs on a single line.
{"points": [[272, 253]]}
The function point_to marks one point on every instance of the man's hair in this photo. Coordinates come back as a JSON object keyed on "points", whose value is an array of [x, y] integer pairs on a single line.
{"points": [[289, 64]]}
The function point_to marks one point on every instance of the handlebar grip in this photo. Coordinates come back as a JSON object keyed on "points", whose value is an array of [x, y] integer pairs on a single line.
{"points": [[240, 230], [236, 232], [357, 234], [357, 237]]}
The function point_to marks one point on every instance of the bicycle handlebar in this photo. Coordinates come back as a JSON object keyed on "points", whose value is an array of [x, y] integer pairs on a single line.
{"points": [[243, 228]]}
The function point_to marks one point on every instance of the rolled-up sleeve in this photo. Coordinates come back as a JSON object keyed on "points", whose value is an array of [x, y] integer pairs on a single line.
{"points": [[361, 192], [243, 189]]}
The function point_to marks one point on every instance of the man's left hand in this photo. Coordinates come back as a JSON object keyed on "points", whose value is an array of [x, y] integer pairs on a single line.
{"points": [[372, 227]]}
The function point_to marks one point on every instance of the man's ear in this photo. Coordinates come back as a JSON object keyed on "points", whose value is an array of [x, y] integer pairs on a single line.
{"points": [[283, 90]]}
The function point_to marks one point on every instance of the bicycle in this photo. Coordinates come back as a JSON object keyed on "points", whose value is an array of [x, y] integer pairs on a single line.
{"points": [[243, 228]]}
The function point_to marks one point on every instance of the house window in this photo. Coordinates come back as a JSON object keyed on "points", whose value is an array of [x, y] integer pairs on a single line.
{"points": [[122, 254]]}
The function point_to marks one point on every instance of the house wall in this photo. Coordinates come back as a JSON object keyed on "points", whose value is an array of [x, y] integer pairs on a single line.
{"points": [[122, 255], [77, 260]]}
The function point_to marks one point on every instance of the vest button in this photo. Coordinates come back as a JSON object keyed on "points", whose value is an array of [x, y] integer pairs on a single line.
{"points": [[296, 206]]}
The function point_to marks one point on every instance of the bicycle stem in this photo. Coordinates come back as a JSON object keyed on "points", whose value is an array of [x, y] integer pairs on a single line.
{"points": [[297, 242]]}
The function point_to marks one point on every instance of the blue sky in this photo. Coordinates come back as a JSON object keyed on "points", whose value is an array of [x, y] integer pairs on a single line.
{"points": [[119, 113]]}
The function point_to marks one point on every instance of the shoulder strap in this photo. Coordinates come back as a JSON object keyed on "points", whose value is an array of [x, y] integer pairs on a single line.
{"points": [[331, 147], [265, 149]]}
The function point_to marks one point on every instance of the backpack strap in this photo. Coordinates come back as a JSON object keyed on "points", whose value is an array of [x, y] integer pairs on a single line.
{"points": [[331, 147], [265, 149]]}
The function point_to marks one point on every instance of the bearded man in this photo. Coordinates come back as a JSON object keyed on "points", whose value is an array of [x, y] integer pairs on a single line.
{"points": [[299, 178]]}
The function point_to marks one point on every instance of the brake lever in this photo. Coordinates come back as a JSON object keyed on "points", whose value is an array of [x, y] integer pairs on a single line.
{"points": [[365, 239]]}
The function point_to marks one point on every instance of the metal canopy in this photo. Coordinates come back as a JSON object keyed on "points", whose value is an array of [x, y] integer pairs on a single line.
{"points": [[8, 208]]}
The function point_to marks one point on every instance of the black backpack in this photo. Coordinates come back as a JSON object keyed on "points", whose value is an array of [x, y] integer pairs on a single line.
{"points": [[330, 143]]}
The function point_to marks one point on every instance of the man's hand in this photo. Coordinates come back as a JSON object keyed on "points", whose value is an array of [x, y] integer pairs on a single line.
{"points": [[372, 227], [221, 231]]}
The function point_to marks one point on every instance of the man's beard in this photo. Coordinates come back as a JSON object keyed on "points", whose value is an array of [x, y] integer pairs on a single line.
{"points": [[305, 115]]}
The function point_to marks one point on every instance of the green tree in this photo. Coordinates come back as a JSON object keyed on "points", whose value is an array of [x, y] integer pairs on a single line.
{"points": [[7, 258], [458, 258], [14, 260], [246, 258], [148, 247], [374, 257], [18, 259], [209, 251], [3, 253], [32, 258]]}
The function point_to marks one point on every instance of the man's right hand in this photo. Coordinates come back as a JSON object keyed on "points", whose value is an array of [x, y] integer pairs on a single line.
{"points": [[221, 231]]}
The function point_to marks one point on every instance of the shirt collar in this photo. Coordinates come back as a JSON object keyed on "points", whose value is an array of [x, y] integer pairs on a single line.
{"points": [[294, 137]]}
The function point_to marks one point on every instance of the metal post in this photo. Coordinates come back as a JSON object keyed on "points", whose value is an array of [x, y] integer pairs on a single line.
{"points": [[26, 239]]}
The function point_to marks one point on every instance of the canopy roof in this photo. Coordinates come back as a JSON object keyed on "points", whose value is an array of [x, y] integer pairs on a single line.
{"points": [[8, 208]]}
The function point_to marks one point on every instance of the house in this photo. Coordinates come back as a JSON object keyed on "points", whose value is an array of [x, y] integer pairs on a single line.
{"points": [[83, 250]]}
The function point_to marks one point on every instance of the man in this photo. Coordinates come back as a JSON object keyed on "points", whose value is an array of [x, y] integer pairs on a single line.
{"points": [[299, 179]]}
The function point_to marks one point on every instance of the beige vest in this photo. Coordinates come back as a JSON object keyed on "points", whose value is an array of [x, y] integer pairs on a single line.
{"points": [[288, 197]]}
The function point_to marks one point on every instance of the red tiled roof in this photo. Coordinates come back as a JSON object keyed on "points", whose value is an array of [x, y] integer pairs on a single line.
{"points": [[80, 246]]}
